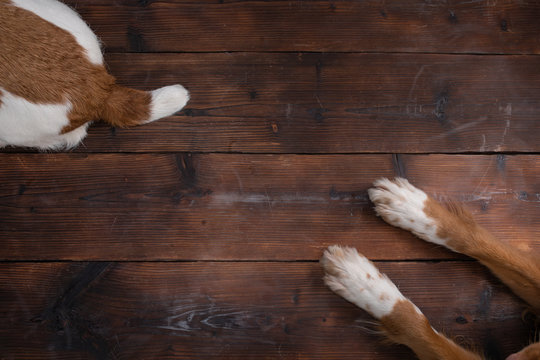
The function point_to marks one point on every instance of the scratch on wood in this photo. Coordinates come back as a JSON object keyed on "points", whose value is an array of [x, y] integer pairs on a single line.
{"points": [[415, 80], [507, 114], [483, 177], [483, 146], [501, 162], [230, 198], [289, 111], [459, 128], [319, 101]]}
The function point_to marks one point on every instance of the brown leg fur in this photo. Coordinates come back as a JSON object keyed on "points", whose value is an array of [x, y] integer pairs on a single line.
{"points": [[404, 325], [456, 229], [531, 352], [518, 269]]}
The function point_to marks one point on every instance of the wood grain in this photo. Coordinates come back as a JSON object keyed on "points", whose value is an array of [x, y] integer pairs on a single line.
{"points": [[244, 207], [484, 27], [197, 236], [235, 310], [333, 103]]}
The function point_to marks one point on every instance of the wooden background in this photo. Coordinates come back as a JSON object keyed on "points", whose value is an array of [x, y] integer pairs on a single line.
{"points": [[198, 236]]}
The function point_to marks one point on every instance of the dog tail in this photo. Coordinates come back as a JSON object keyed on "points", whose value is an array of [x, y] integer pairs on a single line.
{"points": [[127, 107]]}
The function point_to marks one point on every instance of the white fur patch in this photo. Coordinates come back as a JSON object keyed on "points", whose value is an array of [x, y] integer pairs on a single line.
{"points": [[167, 100], [23, 123], [402, 205], [65, 18], [355, 278]]}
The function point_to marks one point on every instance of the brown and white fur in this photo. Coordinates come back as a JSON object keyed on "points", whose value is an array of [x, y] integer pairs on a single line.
{"points": [[355, 278], [53, 81]]}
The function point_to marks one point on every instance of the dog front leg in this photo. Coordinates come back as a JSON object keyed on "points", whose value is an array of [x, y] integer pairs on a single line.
{"points": [[401, 204], [355, 278]]}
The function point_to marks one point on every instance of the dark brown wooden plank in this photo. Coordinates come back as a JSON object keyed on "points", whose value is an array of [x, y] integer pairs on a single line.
{"points": [[375, 26], [334, 103], [235, 310], [243, 207]]}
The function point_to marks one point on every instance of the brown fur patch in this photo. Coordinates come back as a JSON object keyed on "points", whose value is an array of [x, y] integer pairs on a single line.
{"points": [[44, 64], [454, 223], [127, 107], [404, 325], [518, 269], [531, 352]]}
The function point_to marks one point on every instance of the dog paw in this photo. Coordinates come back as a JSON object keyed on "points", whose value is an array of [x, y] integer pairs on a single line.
{"points": [[355, 278], [403, 205]]}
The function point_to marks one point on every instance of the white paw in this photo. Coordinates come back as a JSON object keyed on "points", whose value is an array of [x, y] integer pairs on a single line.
{"points": [[355, 278], [167, 100], [402, 205]]}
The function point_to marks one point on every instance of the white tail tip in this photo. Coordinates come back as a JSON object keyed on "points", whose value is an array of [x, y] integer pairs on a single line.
{"points": [[167, 100]]}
